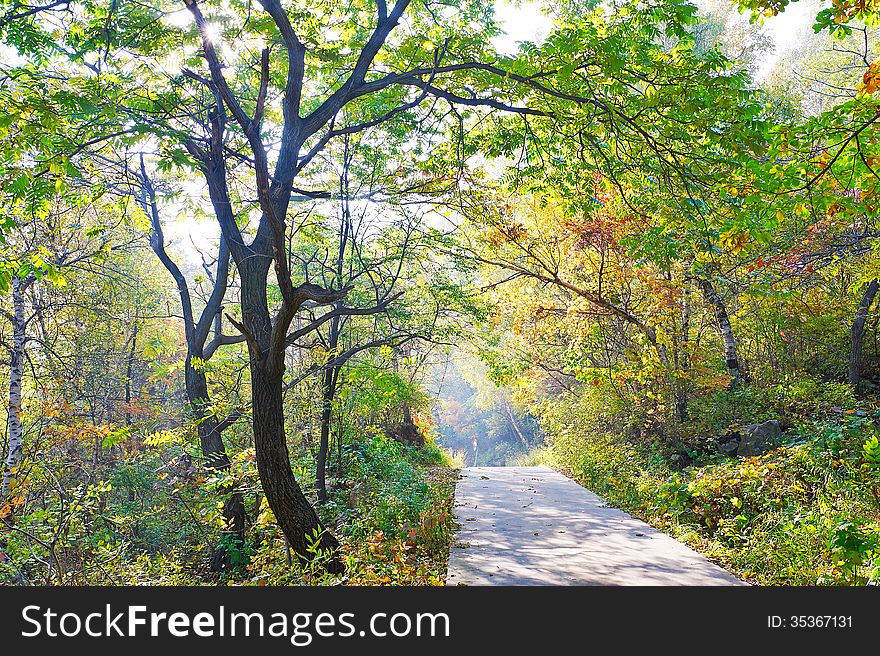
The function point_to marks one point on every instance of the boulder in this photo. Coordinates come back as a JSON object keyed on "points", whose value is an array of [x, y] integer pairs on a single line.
{"points": [[727, 442], [756, 439], [729, 445]]}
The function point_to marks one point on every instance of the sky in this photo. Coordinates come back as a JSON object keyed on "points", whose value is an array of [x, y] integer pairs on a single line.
{"points": [[787, 27], [526, 23], [523, 23]]}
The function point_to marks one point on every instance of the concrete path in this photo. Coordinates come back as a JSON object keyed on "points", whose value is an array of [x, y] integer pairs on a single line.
{"points": [[534, 526]]}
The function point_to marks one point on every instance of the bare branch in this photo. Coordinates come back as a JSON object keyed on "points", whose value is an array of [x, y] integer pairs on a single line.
{"points": [[340, 312], [253, 346], [147, 200]]}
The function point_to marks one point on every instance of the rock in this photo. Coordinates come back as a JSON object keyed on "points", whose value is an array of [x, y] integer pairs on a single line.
{"points": [[759, 438], [355, 495], [728, 443]]}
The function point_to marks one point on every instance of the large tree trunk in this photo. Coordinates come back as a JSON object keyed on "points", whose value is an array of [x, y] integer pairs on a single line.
{"points": [[266, 337], [293, 512], [857, 335], [210, 438], [727, 337], [16, 372]]}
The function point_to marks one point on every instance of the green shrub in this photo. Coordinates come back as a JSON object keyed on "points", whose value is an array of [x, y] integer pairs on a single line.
{"points": [[396, 491]]}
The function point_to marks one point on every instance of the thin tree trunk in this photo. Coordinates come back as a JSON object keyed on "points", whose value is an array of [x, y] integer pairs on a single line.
{"points": [[129, 369], [515, 426], [727, 337], [339, 468], [682, 360], [328, 389], [857, 335], [210, 431], [14, 429]]}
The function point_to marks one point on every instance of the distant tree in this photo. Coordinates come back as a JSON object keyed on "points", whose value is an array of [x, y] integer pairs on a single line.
{"points": [[40, 251]]}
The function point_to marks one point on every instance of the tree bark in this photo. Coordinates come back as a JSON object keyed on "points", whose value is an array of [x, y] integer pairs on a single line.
{"points": [[857, 335], [293, 512], [14, 429], [716, 304]]}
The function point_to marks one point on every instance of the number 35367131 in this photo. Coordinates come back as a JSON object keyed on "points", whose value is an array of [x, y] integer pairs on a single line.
{"points": [[809, 622]]}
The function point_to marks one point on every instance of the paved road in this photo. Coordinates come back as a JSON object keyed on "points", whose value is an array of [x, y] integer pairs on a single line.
{"points": [[534, 526]]}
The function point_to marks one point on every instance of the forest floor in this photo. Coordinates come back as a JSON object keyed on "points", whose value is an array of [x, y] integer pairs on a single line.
{"points": [[534, 526]]}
